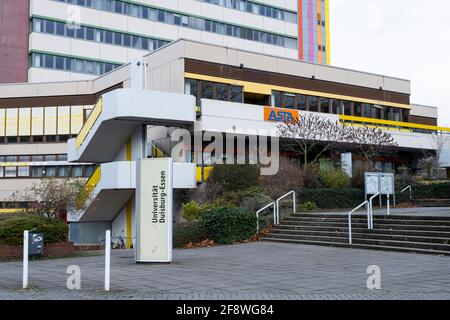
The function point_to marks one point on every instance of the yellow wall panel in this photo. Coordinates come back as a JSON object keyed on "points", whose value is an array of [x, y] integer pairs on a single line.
{"points": [[11, 122], [2, 122], [63, 120], [76, 119], [24, 121], [50, 121], [37, 121]]}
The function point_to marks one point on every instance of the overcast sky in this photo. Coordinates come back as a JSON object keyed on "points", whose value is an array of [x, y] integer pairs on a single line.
{"points": [[409, 39]]}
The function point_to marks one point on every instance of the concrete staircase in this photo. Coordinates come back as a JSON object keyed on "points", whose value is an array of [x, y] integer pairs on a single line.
{"points": [[436, 203], [419, 234]]}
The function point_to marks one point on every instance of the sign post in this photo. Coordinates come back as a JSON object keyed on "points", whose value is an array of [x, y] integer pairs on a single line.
{"points": [[154, 210], [25, 260]]}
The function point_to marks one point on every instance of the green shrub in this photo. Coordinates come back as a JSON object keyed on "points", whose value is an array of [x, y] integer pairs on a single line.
{"points": [[334, 178], [11, 230], [229, 225], [328, 198], [233, 177], [308, 206], [188, 232], [191, 211]]}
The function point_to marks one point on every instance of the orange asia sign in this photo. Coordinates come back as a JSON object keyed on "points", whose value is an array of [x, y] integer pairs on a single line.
{"points": [[280, 115]]}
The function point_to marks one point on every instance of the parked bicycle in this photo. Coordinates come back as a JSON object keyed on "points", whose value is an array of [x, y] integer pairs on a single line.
{"points": [[116, 243]]}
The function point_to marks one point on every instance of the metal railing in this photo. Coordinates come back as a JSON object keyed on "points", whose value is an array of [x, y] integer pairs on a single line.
{"points": [[365, 203], [278, 205], [261, 210], [410, 191], [379, 193]]}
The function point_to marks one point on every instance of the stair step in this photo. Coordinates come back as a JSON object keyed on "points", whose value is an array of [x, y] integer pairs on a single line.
{"points": [[359, 246], [364, 236], [344, 224], [369, 236], [362, 230], [364, 215], [364, 220]]}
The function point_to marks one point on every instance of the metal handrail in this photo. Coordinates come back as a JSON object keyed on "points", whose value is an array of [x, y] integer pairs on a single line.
{"points": [[365, 203], [410, 191], [261, 210], [371, 206], [278, 205]]}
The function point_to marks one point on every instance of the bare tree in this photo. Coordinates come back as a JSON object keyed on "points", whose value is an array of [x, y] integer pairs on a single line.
{"points": [[370, 142], [316, 133], [51, 197], [311, 132]]}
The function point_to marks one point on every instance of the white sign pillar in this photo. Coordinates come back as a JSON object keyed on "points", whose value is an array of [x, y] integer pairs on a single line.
{"points": [[25, 260], [107, 260], [154, 216]]}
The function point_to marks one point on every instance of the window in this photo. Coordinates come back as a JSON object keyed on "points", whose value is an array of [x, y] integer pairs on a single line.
{"points": [[347, 108], [24, 171], [108, 37], [357, 109], [367, 110], [88, 171], [50, 171], [312, 103], [206, 90], [324, 105], [168, 17], [301, 102], [63, 171], [59, 63], [236, 94], [221, 91], [10, 172], [377, 110], [277, 99], [336, 109], [289, 100], [77, 171]]}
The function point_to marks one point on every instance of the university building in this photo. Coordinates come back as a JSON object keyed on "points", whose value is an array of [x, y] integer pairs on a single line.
{"points": [[68, 40], [102, 127]]}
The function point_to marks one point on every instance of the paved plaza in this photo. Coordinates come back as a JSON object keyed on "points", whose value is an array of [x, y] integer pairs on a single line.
{"points": [[246, 271]]}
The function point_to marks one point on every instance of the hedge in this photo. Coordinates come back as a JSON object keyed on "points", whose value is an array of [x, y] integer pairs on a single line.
{"points": [[426, 190], [188, 232], [12, 227], [229, 225], [328, 198]]}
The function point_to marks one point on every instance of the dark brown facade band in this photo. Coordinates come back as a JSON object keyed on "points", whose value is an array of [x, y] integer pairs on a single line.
{"points": [[278, 79], [50, 101], [14, 41], [423, 120]]}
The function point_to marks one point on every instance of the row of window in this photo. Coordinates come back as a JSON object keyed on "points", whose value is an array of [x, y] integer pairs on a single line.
{"points": [[256, 8], [96, 34], [226, 92], [41, 124], [46, 171], [34, 158], [336, 106], [50, 61], [173, 18], [213, 90], [36, 139]]}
